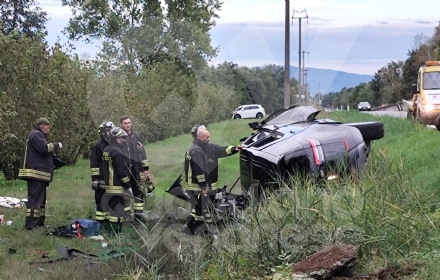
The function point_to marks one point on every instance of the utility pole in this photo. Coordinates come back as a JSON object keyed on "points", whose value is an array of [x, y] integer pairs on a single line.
{"points": [[304, 75], [319, 94], [306, 89], [287, 57], [299, 17]]}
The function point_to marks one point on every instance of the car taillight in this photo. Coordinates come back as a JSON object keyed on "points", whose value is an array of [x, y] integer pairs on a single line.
{"points": [[318, 154]]}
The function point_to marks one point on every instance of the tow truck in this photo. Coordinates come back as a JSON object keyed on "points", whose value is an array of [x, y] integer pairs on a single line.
{"points": [[425, 105]]}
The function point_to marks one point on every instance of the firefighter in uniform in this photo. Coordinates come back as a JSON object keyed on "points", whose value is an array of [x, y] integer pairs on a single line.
{"points": [[37, 170], [214, 152], [197, 182], [116, 171], [139, 176], [96, 169]]}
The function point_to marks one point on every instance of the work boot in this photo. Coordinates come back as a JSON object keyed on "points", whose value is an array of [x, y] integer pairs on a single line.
{"points": [[141, 217], [201, 228], [40, 221], [189, 227], [29, 223]]}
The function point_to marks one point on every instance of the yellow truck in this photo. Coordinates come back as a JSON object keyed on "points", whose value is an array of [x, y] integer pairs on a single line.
{"points": [[425, 105]]}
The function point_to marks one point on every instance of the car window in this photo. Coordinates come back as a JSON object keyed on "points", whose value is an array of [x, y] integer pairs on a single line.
{"points": [[247, 108]]}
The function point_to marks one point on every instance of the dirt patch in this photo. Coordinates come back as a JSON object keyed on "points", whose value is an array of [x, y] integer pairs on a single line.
{"points": [[332, 260]]}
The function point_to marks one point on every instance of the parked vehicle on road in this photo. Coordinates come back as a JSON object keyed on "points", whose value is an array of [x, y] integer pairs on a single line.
{"points": [[425, 106], [249, 111], [364, 106]]}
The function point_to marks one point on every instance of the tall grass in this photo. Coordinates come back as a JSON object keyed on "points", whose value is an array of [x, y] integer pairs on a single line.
{"points": [[388, 212]]}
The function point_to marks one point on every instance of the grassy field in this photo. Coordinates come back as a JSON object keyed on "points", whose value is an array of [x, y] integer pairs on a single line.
{"points": [[390, 215]]}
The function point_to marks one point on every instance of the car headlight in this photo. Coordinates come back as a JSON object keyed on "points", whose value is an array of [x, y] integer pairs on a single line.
{"points": [[369, 107], [359, 107], [429, 107]]}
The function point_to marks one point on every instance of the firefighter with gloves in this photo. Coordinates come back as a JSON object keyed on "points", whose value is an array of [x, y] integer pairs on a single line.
{"points": [[116, 172], [214, 152], [37, 169], [96, 169], [197, 182]]}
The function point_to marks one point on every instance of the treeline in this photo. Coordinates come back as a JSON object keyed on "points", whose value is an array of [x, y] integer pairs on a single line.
{"points": [[392, 82], [149, 68]]}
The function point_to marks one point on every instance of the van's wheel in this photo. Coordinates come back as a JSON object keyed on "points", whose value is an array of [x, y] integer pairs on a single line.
{"points": [[259, 116], [370, 130], [237, 116]]}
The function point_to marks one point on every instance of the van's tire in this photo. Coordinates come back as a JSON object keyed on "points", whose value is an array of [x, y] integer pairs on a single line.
{"points": [[259, 116], [370, 130], [237, 116]]}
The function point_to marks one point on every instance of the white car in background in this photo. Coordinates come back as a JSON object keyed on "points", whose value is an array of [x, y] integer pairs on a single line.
{"points": [[249, 111]]}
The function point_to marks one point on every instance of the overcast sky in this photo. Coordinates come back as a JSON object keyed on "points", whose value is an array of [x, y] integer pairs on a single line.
{"points": [[338, 34]]}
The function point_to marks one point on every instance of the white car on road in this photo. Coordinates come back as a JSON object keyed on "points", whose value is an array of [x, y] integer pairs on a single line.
{"points": [[249, 111]]}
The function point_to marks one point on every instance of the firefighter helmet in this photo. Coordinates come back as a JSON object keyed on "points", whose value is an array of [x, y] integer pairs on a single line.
{"points": [[107, 125], [196, 128], [117, 132]]}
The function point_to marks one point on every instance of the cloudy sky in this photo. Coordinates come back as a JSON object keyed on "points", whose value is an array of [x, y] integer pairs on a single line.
{"points": [[356, 37]]}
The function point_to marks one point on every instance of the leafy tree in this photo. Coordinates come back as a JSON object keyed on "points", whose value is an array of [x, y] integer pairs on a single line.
{"points": [[436, 42], [21, 17], [144, 32]]}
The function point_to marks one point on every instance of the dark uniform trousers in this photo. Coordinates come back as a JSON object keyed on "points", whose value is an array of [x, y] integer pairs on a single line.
{"points": [[100, 215], [138, 199], [36, 205]]}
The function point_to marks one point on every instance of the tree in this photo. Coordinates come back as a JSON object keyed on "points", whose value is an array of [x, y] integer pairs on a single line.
{"points": [[436, 42], [142, 32], [23, 17]]}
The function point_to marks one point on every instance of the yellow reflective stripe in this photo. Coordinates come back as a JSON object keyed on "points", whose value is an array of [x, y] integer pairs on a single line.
{"points": [[115, 192], [145, 163], [42, 211], [138, 206], [200, 178], [36, 213], [189, 175], [25, 154], [214, 186], [142, 176], [111, 174], [94, 171], [32, 173], [191, 187], [114, 189], [229, 150], [113, 219], [50, 147], [125, 180]]}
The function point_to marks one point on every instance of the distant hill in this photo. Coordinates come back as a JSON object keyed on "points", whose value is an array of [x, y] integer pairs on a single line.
{"points": [[331, 80]]}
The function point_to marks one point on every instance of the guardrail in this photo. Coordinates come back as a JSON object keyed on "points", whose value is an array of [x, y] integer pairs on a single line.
{"points": [[390, 107]]}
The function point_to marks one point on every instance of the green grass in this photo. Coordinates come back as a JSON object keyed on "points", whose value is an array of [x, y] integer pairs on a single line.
{"points": [[389, 213]]}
